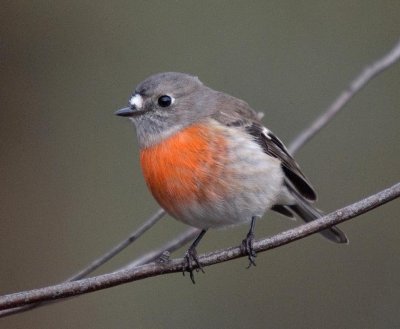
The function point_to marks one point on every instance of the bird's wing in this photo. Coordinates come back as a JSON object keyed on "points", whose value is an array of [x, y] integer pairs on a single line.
{"points": [[241, 115], [274, 147]]}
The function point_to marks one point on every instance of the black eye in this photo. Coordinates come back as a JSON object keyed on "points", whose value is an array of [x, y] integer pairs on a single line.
{"points": [[164, 101]]}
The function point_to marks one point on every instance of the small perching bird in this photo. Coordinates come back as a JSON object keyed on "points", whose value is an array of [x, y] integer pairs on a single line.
{"points": [[210, 163]]}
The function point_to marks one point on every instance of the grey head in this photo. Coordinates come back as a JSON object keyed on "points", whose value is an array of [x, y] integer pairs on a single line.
{"points": [[167, 102]]}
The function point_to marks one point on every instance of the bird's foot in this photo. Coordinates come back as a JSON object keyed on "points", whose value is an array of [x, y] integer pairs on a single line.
{"points": [[247, 247], [192, 263]]}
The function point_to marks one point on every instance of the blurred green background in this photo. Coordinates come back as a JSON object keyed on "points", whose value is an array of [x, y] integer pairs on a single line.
{"points": [[71, 186]]}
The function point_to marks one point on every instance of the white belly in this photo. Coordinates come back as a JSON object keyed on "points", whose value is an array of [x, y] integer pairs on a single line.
{"points": [[254, 182]]}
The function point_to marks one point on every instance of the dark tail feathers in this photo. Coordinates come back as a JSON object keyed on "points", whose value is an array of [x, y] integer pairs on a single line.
{"points": [[308, 213]]}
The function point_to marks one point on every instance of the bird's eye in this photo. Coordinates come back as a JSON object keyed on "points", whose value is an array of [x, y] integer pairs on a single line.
{"points": [[164, 101]]}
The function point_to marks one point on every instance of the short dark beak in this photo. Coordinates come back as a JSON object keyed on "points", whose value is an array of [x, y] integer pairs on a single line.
{"points": [[125, 112]]}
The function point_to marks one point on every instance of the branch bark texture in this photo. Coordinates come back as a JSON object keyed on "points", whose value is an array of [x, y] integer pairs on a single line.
{"points": [[355, 86], [79, 287], [83, 286]]}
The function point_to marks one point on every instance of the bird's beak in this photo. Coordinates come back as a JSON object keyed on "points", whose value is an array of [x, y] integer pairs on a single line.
{"points": [[134, 108], [125, 112]]}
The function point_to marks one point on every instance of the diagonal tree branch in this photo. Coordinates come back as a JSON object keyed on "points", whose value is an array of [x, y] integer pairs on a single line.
{"points": [[90, 268], [355, 86], [170, 246], [120, 246], [100, 282]]}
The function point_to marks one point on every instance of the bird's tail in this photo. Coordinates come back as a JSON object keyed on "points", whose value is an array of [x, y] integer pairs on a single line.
{"points": [[308, 213]]}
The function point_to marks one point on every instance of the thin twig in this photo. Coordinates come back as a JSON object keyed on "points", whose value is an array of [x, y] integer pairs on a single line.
{"points": [[79, 287], [150, 222], [370, 72], [355, 86], [170, 246]]}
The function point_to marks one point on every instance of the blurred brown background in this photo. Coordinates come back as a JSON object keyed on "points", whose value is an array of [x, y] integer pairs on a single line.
{"points": [[71, 186]]}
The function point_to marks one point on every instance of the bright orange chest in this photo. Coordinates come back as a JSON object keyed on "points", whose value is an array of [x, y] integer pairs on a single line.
{"points": [[185, 168]]}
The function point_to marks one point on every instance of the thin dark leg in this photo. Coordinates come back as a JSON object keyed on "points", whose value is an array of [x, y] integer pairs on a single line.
{"points": [[191, 257], [248, 242]]}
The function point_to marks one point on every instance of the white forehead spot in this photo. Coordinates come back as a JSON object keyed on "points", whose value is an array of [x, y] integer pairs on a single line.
{"points": [[136, 101]]}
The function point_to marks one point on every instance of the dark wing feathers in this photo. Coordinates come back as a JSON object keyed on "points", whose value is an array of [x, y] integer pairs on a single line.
{"points": [[242, 115], [283, 210], [274, 147]]}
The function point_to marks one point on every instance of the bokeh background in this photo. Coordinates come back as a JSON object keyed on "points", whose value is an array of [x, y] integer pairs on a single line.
{"points": [[71, 186]]}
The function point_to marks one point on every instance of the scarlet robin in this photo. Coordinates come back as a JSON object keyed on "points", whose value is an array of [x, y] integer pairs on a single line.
{"points": [[209, 162]]}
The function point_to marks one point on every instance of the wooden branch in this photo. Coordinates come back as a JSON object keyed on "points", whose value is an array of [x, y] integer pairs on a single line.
{"points": [[100, 282], [150, 222], [370, 72], [171, 246], [355, 86]]}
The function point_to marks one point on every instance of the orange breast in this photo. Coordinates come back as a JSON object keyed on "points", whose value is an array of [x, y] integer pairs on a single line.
{"points": [[186, 168]]}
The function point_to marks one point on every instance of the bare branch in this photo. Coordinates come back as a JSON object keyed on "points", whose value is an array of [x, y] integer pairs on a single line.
{"points": [[170, 246], [75, 288], [150, 222], [355, 86]]}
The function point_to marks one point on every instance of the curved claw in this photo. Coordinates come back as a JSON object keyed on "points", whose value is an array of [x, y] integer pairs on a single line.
{"points": [[192, 263], [247, 246], [191, 257]]}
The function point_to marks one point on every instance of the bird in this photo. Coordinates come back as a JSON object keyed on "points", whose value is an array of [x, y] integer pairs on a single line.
{"points": [[208, 160]]}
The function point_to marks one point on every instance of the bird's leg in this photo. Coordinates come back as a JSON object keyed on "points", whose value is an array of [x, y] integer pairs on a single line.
{"points": [[247, 244], [191, 258]]}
